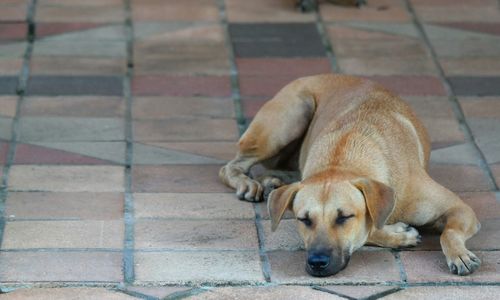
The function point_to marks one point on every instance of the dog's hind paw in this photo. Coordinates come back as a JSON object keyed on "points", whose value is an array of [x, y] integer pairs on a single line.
{"points": [[463, 264], [249, 190]]}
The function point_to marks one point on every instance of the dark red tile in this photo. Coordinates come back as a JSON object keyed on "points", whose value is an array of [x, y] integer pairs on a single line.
{"points": [[32, 154], [13, 31], [182, 85], [4, 148], [293, 67], [412, 85], [263, 86], [252, 105], [47, 29], [460, 178]]}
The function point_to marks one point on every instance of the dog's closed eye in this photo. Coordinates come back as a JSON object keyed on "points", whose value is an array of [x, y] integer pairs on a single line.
{"points": [[306, 220], [341, 219]]}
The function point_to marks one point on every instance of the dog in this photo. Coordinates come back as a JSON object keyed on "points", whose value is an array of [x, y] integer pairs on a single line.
{"points": [[362, 156]]}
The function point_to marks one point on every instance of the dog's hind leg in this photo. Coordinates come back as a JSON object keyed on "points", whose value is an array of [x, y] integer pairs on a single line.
{"points": [[280, 121]]}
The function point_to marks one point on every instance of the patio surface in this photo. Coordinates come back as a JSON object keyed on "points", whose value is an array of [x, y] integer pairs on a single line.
{"points": [[115, 117]]}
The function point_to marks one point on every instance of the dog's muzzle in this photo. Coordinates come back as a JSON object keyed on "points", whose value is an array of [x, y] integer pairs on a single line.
{"points": [[321, 263]]}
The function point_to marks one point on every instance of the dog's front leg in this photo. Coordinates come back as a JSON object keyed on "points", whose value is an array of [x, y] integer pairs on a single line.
{"points": [[397, 235]]}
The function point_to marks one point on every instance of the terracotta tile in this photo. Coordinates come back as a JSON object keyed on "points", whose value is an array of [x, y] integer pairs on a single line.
{"points": [[165, 107], [412, 85], [177, 179], [443, 132], [13, 31], [77, 13], [480, 107], [191, 206], [495, 169], [446, 292], [66, 178], [216, 86], [152, 155], [488, 237], [185, 130], [481, 27], [190, 10], [4, 149], [272, 292], [10, 66], [75, 85], [80, 47], [261, 11], [361, 31], [430, 266], [61, 65], [196, 235], [8, 106], [60, 266], [193, 65], [462, 154], [5, 128], [63, 234], [276, 40], [485, 131], [293, 67], [62, 129], [158, 292], [74, 106], [262, 86], [83, 206], [289, 267], [359, 291], [218, 150], [31, 154], [50, 29], [286, 237], [204, 267], [484, 204], [380, 11], [66, 293], [460, 178], [471, 66], [13, 11], [458, 13], [386, 66], [251, 105]]}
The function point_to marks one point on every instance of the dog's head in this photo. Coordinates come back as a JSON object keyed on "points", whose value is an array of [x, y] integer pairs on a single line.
{"points": [[334, 217]]}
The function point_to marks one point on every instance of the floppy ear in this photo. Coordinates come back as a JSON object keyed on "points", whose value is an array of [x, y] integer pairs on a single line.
{"points": [[279, 200], [379, 199]]}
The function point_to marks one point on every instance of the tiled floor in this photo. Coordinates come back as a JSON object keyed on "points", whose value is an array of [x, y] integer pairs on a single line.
{"points": [[115, 116]]}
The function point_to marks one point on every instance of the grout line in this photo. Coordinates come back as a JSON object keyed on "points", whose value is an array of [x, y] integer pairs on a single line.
{"points": [[242, 124], [452, 98], [329, 291], [129, 219], [20, 90], [384, 293], [402, 271], [320, 26], [235, 84]]}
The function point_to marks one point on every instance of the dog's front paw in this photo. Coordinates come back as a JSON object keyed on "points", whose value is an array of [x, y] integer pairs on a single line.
{"points": [[405, 235], [249, 190], [463, 264]]}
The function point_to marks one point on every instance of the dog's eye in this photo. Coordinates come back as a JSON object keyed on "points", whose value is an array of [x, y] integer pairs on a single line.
{"points": [[306, 221], [341, 219]]}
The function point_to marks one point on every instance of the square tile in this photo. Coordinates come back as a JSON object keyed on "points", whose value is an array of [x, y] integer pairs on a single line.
{"points": [[460, 178], [218, 150], [70, 12], [75, 85], [191, 206], [60, 266], [187, 10], [67, 293], [412, 85], [8, 106], [80, 48], [4, 150], [484, 204], [262, 11], [430, 266], [63, 234], [185, 129], [10, 65], [442, 292], [8, 85], [286, 237], [177, 179], [368, 66], [66, 178], [196, 235], [290, 67], [204, 267], [74, 106], [5, 128], [212, 86], [66, 205], [276, 40], [262, 86], [288, 267], [475, 86], [379, 11], [471, 66], [55, 129], [13, 11], [13, 31], [71, 66], [167, 107]]}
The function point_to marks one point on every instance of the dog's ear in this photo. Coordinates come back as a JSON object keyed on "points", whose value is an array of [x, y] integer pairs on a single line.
{"points": [[279, 201], [379, 199]]}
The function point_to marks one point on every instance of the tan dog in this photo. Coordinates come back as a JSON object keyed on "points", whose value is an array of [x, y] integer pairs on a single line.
{"points": [[362, 155]]}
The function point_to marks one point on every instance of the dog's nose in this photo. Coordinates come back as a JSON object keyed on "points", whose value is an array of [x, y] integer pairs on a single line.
{"points": [[318, 261]]}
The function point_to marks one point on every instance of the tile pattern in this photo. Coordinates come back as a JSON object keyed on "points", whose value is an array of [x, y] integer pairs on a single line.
{"points": [[120, 133]]}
